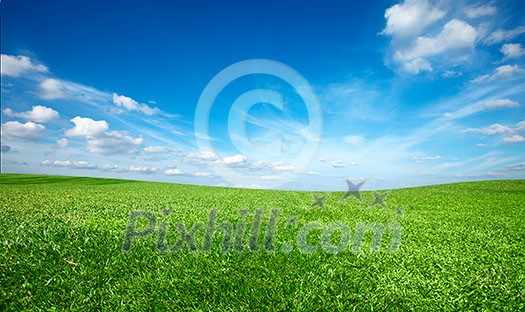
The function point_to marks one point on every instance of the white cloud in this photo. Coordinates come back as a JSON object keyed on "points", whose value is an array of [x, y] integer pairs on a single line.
{"points": [[312, 173], [62, 142], [508, 134], [143, 169], [205, 155], [132, 105], [87, 127], [482, 10], [237, 159], [491, 130], [101, 141], [353, 139], [450, 74], [455, 36], [410, 18], [500, 72], [520, 126], [180, 172], [270, 178], [512, 50], [516, 138], [503, 35], [157, 149], [203, 175], [340, 164], [416, 66], [111, 167], [280, 166], [246, 186], [174, 171], [38, 113], [499, 103], [337, 163], [24, 131], [112, 142], [15, 66], [204, 158], [52, 89], [5, 148], [420, 159], [69, 163], [415, 48]]}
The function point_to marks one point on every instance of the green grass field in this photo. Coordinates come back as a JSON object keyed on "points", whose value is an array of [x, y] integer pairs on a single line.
{"points": [[462, 248]]}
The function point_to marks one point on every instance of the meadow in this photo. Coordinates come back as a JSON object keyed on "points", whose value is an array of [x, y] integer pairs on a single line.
{"points": [[462, 247]]}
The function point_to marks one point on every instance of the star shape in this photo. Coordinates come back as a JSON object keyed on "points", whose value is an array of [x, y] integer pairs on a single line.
{"points": [[379, 199], [353, 190], [400, 210], [318, 201]]}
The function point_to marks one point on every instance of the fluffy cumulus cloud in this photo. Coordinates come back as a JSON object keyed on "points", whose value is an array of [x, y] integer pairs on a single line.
{"points": [[235, 160], [130, 104], [512, 50], [15, 66], [434, 34], [87, 127], [101, 141], [455, 36], [24, 131], [37, 114], [410, 18]]}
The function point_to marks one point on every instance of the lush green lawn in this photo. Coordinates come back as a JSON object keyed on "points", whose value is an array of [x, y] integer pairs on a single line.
{"points": [[462, 248]]}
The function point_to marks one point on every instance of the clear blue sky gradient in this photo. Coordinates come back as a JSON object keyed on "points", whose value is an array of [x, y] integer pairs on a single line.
{"points": [[412, 93]]}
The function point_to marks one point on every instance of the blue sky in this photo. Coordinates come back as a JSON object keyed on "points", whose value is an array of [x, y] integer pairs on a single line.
{"points": [[399, 93]]}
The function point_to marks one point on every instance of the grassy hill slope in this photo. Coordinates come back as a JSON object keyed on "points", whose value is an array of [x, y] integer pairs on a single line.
{"points": [[462, 246]]}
